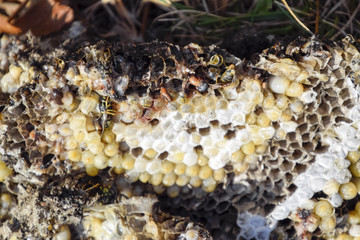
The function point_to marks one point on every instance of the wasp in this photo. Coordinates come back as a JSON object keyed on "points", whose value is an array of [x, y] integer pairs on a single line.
{"points": [[105, 105], [229, 74], [108, 195], [106, 108], [105, 63]]}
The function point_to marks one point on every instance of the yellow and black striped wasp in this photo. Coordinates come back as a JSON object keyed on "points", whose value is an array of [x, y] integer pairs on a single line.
{"points": [[107, 192], [106, 108], [108, 195]]}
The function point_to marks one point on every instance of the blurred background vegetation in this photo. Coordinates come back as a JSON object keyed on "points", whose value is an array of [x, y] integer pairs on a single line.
{"points": [[222, 22]]}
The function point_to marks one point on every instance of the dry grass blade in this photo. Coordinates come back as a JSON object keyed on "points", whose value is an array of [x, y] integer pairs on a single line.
{"points": [[164, 3], [337, 5], [348, 22], [295, 17], [112, 18], [334, 26]]}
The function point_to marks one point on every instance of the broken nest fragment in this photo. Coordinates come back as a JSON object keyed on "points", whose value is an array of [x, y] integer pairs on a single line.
{"points": [[212, 135]]}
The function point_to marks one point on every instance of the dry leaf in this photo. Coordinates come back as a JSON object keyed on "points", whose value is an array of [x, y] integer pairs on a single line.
{"points": [[6, 27], [43, 17]]}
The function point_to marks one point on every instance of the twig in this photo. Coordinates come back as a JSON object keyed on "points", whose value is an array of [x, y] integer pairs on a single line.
{"points": [[266, 23], [223, 5], [184, 12], [348, 22], [333, 9], [325, 7], [334, 26], [205, 6], [294, 16], [317, 17]]}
